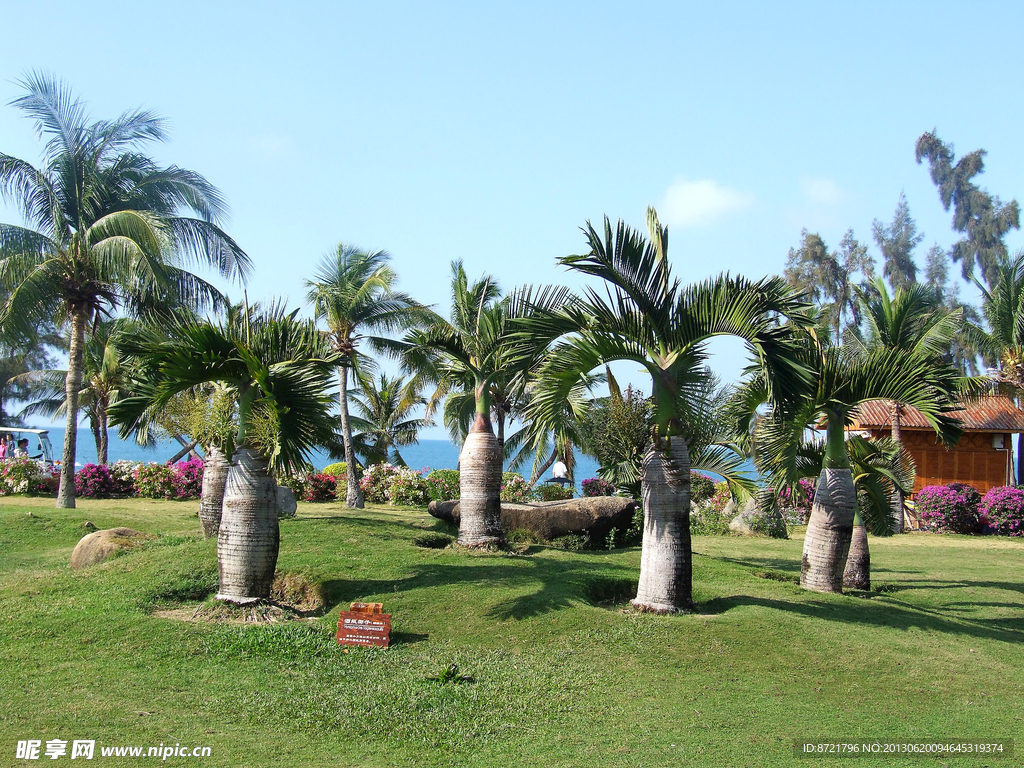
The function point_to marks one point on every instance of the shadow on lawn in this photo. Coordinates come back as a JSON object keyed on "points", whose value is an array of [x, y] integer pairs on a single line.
{"points": [[561, 584], [890, 613]]}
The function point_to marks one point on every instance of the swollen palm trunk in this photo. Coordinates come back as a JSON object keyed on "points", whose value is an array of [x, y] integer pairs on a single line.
{"points": [[829, 532], [858, 564], [480, 489], [211, 503], [249, 535], [666, 567]]}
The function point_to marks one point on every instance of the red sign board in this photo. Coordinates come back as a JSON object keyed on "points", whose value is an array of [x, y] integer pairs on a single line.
{"points": [[364, 625]]}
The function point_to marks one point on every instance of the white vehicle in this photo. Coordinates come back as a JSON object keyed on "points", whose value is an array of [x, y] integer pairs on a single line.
{"points": [[43, 452]]}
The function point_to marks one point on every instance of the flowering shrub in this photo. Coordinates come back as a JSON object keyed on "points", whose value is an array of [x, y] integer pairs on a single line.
{"points": [[443, 485], [949, 508], [792, 501], [375, 482], [16, 475], [1004, 508], [553, 492], [514, 489], [46, 483], [159, 481], [297, 482], [96, 481], [339, 471], [407, 488], [719, 499], [702, 487], [188, 481], [123, 473], [319, 488], [595, 486]]}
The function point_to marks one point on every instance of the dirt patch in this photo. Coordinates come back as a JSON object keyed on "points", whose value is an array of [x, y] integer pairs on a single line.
{"points": [[292, 598]]}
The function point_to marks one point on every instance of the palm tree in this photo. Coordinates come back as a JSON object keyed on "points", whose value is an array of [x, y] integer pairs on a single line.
{"points": [[476, 359], [1003, 342], [650, 318], [842, 382], [273, 368], [913, 322], [102, 381], [102, 231], [383, 410], [353, 292]]}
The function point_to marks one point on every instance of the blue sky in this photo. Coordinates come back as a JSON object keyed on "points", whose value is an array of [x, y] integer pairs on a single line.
{"points": [[492, 132]]}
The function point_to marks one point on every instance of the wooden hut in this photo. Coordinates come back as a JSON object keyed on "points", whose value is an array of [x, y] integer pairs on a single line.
{"points": [[984, 456]]}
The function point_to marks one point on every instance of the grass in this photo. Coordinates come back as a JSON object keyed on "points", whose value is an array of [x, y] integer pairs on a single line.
{"points": [[550, 669]]}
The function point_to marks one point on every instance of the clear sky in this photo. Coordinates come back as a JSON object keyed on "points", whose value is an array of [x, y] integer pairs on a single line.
{"points": [[491, 132]]}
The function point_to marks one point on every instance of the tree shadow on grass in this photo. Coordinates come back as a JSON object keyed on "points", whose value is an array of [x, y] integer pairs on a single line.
{"points": [[890, 613], [560, 583]]}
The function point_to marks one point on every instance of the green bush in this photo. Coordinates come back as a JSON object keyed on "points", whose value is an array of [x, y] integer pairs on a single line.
{"points": [[514, 489], [443, 485], [553, 492], [155, 481], [702, 488]]}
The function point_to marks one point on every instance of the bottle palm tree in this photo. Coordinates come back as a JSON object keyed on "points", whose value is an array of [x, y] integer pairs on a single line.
{"points": [[353, 292], [841, 383], [383, 409], [650, 318], [912, 321], [103, 231], [276, 371], [1003, 342], [476, 358]]}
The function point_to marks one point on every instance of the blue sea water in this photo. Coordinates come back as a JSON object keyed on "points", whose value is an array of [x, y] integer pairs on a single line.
{"points": [[427, 455]]}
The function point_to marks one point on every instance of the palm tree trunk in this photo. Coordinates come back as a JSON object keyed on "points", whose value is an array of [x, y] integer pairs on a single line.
{"points": [[898, 499], [857, 574], [354, 494], [72, 386], [101, 452], [480, 482], [666, 561], [211, 502], [543, 467], [830, 529], [94, 425], [249, 536]]}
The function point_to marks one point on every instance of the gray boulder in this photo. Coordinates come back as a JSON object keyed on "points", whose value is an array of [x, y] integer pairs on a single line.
{"points": [[286, 505], [102, 545], [743, 521], [548, 520]]}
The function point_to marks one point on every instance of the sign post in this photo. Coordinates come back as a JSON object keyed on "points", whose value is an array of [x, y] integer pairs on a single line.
{"points": [[364, 624]]}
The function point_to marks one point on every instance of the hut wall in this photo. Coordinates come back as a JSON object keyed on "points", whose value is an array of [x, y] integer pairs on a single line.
{"points": [[973, 461]]}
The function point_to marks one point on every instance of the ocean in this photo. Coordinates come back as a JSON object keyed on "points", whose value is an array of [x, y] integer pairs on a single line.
{"points": [[427, 455]]}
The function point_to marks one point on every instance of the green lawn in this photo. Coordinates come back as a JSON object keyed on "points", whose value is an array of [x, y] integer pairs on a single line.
{"points": [[562, 676]]}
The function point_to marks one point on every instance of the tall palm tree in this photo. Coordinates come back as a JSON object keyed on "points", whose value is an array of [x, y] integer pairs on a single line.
{"points": [[273, 368], [353, 292], [648, 317], [912, 321], [383, 410], [841, 383], [477, 359], [103, 231], [102, 380], [1003, 341]]}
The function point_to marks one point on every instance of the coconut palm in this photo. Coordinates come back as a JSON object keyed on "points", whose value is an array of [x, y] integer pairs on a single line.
{"points": [[102, 380], [648, 317], [841, 383], [383, 409], [102, 231], [353, 292], [913, 321], [476, 358], [274, 368]]}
